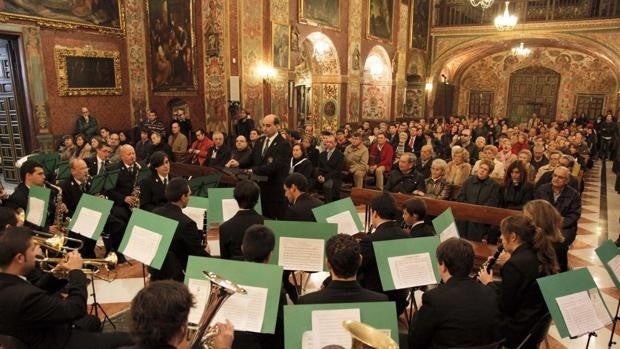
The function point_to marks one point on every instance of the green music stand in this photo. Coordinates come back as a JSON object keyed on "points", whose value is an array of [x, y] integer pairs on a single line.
{"points": [[609, 254], [38, 203], [62, 170], [200, 185]]}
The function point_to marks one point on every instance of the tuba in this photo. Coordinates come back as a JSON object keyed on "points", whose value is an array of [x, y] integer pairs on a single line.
{"points": [[135, 191], [365, 336], [221, 289]]}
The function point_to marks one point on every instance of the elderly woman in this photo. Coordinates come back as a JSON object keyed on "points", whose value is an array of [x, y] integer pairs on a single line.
{"points": [[459, 168], [436, 186], [525, 157], [490, 153], [505, 155], [242, 155]]}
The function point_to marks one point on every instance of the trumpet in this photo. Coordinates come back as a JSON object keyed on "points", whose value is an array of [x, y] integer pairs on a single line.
{"points": [[90, 266], [365, 336], [56, 243]]}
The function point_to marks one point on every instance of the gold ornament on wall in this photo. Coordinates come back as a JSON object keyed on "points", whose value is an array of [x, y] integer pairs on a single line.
{"points": [[87, 72]]}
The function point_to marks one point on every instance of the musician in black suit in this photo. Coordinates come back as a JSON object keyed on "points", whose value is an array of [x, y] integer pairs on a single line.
{"points": [[520, 301], [35, 317], [72, 190], [219, 154], [414, 216], [344, 257], [98, 164], [270, 158], [459, 313], [187, 239], [331, 162], [153, 189], [382, 211], [246, 194], [300, 202]]}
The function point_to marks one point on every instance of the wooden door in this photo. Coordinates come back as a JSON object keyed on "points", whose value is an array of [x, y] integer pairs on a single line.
{"points": [[590, 105], [480, 103], [533, 90]]}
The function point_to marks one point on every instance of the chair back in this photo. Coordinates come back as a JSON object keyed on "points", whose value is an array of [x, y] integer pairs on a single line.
{"points": [[537, 333]]}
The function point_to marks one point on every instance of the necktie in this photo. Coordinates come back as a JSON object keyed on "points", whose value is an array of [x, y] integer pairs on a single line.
{"points": [[266, 146], [329, 154], [165, 182], [100, 171], [131, 169]]}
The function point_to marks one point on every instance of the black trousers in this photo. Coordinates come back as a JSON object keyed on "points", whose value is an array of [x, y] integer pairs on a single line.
{"points": [[80, 339]]}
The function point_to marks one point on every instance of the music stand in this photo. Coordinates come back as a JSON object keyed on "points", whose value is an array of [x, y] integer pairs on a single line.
{"points": [[95, 307], [200, 185], [613, 327]]}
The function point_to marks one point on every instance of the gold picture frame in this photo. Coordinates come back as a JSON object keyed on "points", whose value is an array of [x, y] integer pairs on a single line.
{"points": [[421, 23], [107, 18], [88, 72], [320, 13], [377, 26], [280, 45]]}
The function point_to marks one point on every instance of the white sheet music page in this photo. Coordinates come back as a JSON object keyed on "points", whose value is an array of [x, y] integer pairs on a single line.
{"points": [[327, 327], [346, 224], [87, 222], [214, 246], [450, 232], [579, 313], [142, 245], [245, 311], [229, 208], [614, 264], [412, 270], [599, 306], [197, 215], [35, 211], [301, 254], [201, 289]]}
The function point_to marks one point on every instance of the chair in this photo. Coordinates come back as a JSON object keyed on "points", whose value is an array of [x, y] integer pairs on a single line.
{"points": [[8, 342], [537, 333], [494, 345]]}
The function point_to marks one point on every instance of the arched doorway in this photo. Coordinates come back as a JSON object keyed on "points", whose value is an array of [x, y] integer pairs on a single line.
{"points": [[377, 85], [533, 90]]}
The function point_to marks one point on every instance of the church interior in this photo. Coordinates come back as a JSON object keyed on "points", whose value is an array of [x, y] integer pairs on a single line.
{"points": [[325, 64]]}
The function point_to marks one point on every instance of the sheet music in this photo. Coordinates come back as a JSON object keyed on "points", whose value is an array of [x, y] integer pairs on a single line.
{"points": [[86, 222], [346, 224], [579, 313], [35, 211], [201, 290], [301, 254], [599, 306], [327, 327], [306, 340], [412, 270], [142, 245], [614, 265], [245, 311], [197, 215], [450, 232], [229, 208]]}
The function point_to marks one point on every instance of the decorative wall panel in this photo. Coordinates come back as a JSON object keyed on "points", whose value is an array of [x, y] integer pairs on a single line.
{"points": [[136, 59], [354, 61], [279, 13], [251, 55], [376, 102]]}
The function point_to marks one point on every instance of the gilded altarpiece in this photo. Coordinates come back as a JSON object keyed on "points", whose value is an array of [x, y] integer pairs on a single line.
{"points": [[251, 55], [325, 104], [36, 76], [136, 58], [399, 65], [279, 12], [355, 61]]}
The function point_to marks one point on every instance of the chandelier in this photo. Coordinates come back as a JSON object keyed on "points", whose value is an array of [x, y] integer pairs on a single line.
{"points": [[521, 50], [507, 21], [484, 4]]}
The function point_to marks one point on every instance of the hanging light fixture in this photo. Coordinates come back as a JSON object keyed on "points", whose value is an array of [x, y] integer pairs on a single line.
{"points": [[484, 4], [506, 21], [521, 50]]}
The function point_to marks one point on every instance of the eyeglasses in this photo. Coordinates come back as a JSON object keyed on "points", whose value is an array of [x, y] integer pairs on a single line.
{"points": [[465, 135]]}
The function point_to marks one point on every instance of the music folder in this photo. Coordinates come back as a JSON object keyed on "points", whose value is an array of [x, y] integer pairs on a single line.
{"points": [[102, 182], [341, 212], [200, 185], [222, 205], [38, 203], [90, 216]]}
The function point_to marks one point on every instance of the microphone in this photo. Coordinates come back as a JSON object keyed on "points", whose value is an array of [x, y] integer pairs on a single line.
{"points": [[444, 76]]}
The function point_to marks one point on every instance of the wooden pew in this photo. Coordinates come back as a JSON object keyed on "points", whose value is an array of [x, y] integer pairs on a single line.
{"points": [[178, 169]]}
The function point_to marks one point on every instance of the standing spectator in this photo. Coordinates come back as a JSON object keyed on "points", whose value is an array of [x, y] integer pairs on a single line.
{"points": [[607, 133], [200, 147], [244, 124], [153, 124], [184, 122], [177, 141], [86, 124]]}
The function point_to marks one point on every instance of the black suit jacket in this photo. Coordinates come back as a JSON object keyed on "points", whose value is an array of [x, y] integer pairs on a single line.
{"points": [[568, 205], [332, 168], [187, 241], [222, 155], [91, 162], [342, 292], [301, 210], [424, 170], [232, 231], [152, 192], [422, 230], [274, 165], [124, 185], [71, 194], [19, 199], [36, 318], [460, 313]]}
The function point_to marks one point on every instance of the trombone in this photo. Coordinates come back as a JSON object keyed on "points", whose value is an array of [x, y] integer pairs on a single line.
{"points": [[365, 336], [90, 266], [56, 243]]}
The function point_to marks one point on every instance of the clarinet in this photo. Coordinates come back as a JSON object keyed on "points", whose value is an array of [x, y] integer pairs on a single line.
{"points": [[488, 265]]}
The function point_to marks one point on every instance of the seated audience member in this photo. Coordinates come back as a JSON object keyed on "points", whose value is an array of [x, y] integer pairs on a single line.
{"points": [[382, 213], [158, 145], [380, 159], [241, 157], [200, 147], [423, 163], [153, 188], [461, 312], [478, 148], [330, 165], [405, 179], [144, 147], [67, 148], [86, 123], [458, 169], [40, 319], [517, 190], [490, 153], [538, 159], [82, 148], [300, 162], [521, 303], [356, 159], [177, 141], [187, 239], [246, 194], [310, 149], [567, 161], [159, 314], [479, 190], [219, 153], [341, 140], [505, 154], [414, 216], [400, 145], [525, 157], [300, 202], [554, 161], [548, 219], [343, 260], [565, 199], [435, 186]]}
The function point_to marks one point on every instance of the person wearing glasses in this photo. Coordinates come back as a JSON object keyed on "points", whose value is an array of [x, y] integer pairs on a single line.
{"points": [[86, 123]]}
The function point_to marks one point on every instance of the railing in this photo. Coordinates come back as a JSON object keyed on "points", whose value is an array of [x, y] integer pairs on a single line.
{"points": [[461, 12]]}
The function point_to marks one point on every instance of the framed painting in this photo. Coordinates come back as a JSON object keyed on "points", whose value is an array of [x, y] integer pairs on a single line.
{"points": [[172, 47], [380, 19], [103, 15], [281, 43], [87, 72], [323, 13], [418, 24]]}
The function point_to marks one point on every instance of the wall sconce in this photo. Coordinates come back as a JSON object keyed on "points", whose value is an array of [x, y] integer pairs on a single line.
{"points": [[266, 72], [429, 86]]}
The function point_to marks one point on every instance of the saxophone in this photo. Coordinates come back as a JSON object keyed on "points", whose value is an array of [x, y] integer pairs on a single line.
{"points": [[135, 191], [59, 210]]}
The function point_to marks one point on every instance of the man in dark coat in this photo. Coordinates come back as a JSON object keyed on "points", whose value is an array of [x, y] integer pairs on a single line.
{"points": [[99, 164], [300, 202], [405, 179], [331, 162], [219, 154]]}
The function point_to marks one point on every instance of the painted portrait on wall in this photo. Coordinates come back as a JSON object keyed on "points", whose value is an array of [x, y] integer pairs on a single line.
{"points": [[281, 44], [419, 24], [380, 19], [320, 12], [105, 15], [172, 46]]}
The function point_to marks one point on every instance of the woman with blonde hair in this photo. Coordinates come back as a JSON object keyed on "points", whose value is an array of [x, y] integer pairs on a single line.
{"points": [[549, 220], [459, 168]]}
